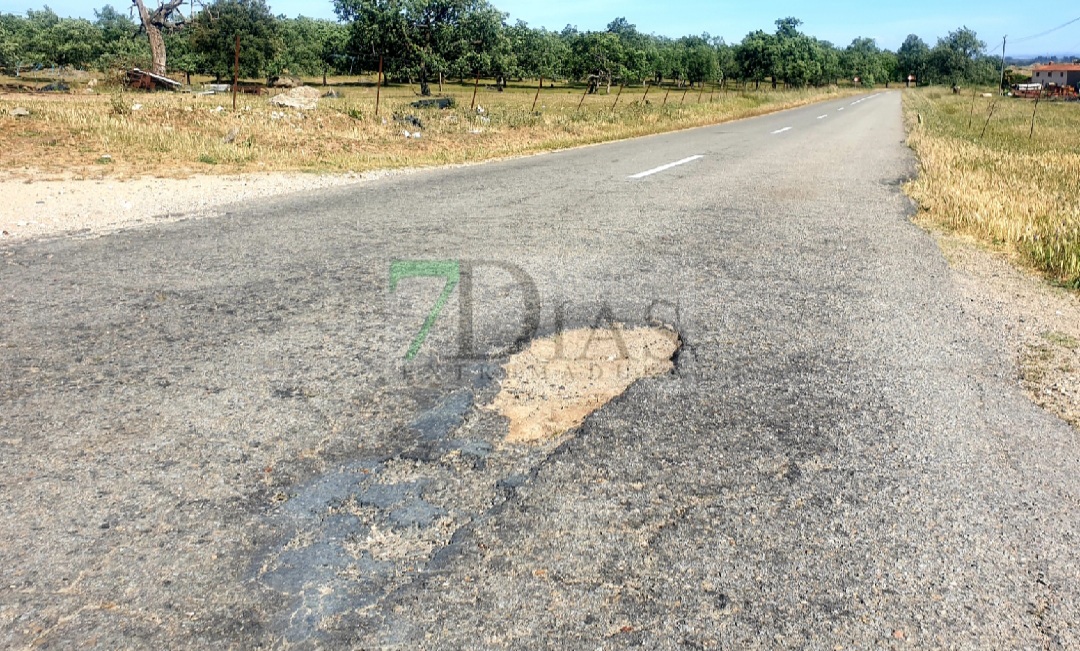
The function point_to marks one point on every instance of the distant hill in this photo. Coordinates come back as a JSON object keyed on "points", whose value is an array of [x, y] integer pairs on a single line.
{"points": [[1024, 61]]}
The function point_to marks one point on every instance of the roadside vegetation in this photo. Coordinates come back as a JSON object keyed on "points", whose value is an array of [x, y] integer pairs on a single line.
{"points": [[597, 85], [986, 173], [171, 134]]}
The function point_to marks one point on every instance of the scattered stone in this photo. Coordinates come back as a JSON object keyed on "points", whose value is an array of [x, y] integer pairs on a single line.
{"points": [[439, 103], [231, 136], [305, 92], [480, 110], [332, 94], [56, 87], [304, 98], [20, 112], [136, 107], [410, 120]]}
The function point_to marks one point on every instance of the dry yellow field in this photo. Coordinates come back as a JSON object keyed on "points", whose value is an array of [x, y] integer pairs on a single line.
{"points": [[176, 134], [996, 179]]}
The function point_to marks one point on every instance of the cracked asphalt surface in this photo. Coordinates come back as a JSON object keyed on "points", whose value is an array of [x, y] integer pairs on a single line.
{"points": [[210, 435]]}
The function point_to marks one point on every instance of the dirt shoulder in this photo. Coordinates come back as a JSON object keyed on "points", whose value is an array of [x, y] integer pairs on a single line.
{"points": [[1020, 312], [49, 208]]}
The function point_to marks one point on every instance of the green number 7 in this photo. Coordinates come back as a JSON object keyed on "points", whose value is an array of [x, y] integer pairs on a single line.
{"points": [[449, 269]]}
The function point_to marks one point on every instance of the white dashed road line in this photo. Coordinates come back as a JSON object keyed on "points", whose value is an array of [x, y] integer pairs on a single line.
{"points": [[822, 117], [782, 130], [662, 168]]}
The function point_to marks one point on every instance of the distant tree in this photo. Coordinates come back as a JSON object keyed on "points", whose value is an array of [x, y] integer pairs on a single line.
{"points": [[700, 56], [597, 58], [420, 38], [953, 58], [913, 58], [831, 63], [540, 53], [862, 59], [799, 58], [484, 46], [890, 67], [121, 46], [726, 65], [12, 41], [215, 28], [309, 46], [758, 56]]}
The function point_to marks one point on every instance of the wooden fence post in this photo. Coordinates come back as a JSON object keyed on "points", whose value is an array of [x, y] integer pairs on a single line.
{"points": [[378, 87], [236, 73], [538, 92]]}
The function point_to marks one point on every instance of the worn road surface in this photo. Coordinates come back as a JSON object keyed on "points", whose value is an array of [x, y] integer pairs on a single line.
{"points": [[210, 435]]}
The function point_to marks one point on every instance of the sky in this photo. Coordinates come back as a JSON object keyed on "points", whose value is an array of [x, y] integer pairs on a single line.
{"points": [[839, 21]]}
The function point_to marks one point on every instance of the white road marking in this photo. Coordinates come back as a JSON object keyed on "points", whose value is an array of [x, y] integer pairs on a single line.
{"points": [[662, 168], [822, 117], [840, 109], [782, 130]]}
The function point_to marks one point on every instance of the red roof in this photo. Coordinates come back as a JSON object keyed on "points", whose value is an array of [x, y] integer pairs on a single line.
{"points": [[1058, 67]]}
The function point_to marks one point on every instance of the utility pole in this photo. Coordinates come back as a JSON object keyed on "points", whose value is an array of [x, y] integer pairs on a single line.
{"points": [[1001, 84]]}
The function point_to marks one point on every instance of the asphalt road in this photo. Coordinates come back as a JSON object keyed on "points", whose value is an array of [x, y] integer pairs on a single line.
{"points": [[210, 435]]}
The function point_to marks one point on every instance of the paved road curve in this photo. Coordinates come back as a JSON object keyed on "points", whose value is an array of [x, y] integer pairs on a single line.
{"points": [[209, 433]]}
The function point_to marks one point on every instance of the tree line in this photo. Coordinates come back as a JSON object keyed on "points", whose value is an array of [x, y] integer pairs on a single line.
{"points": [[425, 41]]}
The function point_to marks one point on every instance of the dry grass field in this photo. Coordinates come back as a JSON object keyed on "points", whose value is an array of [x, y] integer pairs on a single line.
{"points": [[104, 133], [998, 181]]}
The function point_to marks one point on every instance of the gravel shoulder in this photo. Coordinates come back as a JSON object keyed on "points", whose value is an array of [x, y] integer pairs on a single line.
{"points": [[48, 208], [1019, 312]]}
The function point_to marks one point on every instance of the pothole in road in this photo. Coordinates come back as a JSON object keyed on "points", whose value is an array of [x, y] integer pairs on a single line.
{"points": [[553, 385]]}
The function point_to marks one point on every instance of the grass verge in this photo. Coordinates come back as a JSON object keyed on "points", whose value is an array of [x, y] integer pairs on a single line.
{"points": [[136, 134], [983, 172]]}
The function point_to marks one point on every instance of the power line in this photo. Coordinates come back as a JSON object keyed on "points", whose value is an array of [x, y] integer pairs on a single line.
{"points": [[1049, 31]]}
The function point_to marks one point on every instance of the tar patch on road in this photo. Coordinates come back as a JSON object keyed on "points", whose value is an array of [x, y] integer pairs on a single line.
{"points": [[351, 537]]}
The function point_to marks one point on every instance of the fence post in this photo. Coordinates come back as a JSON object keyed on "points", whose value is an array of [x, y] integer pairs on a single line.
{"points": [[378, 87], [475, 87], [236, 72], [618, 95], [1037, 98], [537, 93], [583, 97], [646, 92]]}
